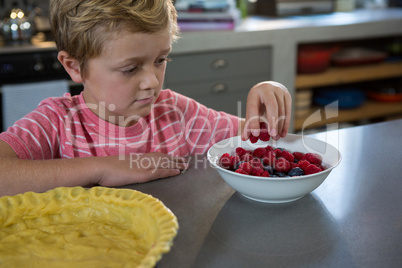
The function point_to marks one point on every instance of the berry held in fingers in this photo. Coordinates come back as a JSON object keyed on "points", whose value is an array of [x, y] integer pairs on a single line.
{"points": [[263, 136]]}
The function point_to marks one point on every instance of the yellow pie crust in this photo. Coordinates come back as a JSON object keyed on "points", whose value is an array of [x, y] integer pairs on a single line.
{"points": [[78, 227]]}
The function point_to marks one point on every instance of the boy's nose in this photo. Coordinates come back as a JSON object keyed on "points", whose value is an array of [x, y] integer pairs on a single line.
{"points": [[149, 80]]}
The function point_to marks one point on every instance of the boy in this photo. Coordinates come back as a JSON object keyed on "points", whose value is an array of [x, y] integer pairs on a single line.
{"points": [[118, 49]]}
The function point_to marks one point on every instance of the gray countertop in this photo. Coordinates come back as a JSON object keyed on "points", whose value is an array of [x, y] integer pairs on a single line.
{"points": [[353, 219]]}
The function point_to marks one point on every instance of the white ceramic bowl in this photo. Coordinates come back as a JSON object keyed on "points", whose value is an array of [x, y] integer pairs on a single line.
{"points": [[275, 189]]}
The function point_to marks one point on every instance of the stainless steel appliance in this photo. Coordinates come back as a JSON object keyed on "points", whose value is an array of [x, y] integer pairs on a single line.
{"points": [[22, 65], [30, 66]]}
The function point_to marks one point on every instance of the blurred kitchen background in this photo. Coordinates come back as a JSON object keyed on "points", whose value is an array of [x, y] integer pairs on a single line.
{"points": [[340, 59]]}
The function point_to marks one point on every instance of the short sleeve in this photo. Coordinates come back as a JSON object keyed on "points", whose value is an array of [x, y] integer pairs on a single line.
{"points": [[36, 135]]}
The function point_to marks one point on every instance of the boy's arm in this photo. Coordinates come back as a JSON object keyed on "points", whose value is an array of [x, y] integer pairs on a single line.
{"points": [[18, 176]]}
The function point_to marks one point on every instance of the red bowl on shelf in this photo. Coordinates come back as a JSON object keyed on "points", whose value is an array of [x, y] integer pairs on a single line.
{"points": [[313, 59], [357, 56]]}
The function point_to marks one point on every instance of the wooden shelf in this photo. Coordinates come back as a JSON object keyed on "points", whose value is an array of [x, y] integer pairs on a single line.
{"points": [[369, 110], [344, 75]]}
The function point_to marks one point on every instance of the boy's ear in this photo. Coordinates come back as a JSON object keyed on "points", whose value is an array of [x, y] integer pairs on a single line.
{"points": [[71, 65]]}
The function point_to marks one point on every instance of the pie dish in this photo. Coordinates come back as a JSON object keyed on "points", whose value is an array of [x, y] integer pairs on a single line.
{"points": [[79, 227]]}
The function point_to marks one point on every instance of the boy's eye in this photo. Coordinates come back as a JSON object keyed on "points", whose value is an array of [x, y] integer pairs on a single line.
{"points": [[129, 70], [162, 60]]}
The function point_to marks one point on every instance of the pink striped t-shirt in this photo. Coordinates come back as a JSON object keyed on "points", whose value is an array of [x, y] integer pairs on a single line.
{"points": [[64, 127]]}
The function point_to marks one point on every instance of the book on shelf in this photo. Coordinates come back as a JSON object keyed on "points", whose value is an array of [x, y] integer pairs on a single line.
{"points": [[207, 15]]}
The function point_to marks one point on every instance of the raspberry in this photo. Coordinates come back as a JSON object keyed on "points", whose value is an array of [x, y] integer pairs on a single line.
{"points": [[241, 171], [288, 156], [235, 161], [282, 165], [256, 163], [260, 173], [313, 158], [259, 152], [320, 166], [241, 151], [226, 161], [229, 162], [246, 157], [257, 172], [269, 158], [270, 154], [265, 173], [253, 139], [298, 155], [226, 155], [293, 165], [312, 169], [264, 136], [269, 161], [303, 164], [246, 167], [278, 152]]}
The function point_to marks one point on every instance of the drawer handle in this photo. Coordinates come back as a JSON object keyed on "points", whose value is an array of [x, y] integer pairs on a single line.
{"points": [[219, 88], [219, 64]]}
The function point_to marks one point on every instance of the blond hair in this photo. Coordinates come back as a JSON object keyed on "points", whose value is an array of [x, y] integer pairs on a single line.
{"points": [[81, 27]]}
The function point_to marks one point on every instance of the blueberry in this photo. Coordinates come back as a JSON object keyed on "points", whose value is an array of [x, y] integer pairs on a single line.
{"points": [[281, 174], [296, 160], [296, 172], [269, 169]]}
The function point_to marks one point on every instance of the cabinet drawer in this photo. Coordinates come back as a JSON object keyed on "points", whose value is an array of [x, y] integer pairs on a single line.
{"points": [[220, 95], [205, 66]]}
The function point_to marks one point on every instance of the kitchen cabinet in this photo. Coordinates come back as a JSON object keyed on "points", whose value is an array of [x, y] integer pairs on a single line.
{"points": [[283, 36], [344, 75], [220, 79]]}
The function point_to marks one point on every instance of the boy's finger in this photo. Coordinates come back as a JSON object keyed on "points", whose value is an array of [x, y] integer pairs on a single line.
{"points": [[160, 173], [271, 109], [288, 110], [252, 125], [281, 115]]}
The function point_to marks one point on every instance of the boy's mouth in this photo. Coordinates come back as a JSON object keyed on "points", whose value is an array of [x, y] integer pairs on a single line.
{"points": [[145, 100]]}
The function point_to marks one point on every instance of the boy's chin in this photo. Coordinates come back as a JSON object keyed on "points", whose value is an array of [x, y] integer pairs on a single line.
{"points": [[123, 121], [130, 117], [138, 114]]}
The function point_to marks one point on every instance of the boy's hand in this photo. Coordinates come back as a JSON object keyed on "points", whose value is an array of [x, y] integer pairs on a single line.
{"points": [[136, 168], [269, 102]]}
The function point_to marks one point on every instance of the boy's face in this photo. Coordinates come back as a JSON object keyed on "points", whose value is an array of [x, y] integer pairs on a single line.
{"points": [[126, 79]]}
